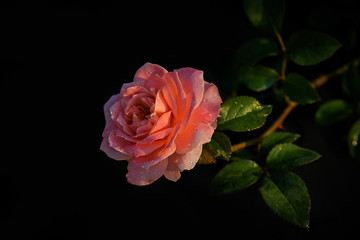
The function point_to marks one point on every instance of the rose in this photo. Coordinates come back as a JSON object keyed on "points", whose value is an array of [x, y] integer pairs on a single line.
{"points": [[159, 122]]}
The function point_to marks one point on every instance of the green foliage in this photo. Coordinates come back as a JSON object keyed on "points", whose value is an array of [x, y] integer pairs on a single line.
{"points": [[242, 114], [351, 81], [333, 111], [235, 176], [207, 156], [299, 90], [310, 47], [276, 138], [256, 49], [287, 155], [265, 14], [354, 140], [283, 191], [243, 154], [286, 194], [257, 78], [220, 145]]}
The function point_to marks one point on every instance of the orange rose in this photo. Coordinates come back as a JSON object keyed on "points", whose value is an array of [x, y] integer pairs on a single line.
{"points": [[159, 122]]}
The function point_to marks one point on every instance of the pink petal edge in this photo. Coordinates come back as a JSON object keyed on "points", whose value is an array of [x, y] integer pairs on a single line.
{"points": [[112, 153], [141, 176]]}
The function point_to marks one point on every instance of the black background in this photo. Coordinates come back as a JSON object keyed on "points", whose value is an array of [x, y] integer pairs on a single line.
{"points": [[64, 59]]}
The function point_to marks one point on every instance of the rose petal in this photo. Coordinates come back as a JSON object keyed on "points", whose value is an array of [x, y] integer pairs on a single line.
{"points": [[122, 134], [156, 83], [126, 96], [160, 103], [161, 153], [162, 123], [118, 143], [144, 129], [170, 142], [170, 101], [112, 153], [141, 98], [212, 100], [187, 160], [123, 123], [110, 124], [192, 81], [132, 90], [194, 135], [201, 115], [172, 171], [176, 89], [138, 150], [156, 136], [139, 175], [115, 110], [202, 122], [147, 70], [190, 107]]}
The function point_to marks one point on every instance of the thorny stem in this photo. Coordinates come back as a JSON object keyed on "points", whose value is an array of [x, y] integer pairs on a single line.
{"points": [[318, 82]]}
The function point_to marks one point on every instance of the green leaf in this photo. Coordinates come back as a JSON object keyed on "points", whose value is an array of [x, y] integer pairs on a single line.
{"points": [[286, 194], [220, 145], [287, 155], [207, 156], [244, 153], [354, 140], [310, 47], [265, 14], [235, 176], [351, 82], [242, 114], [299, 90], [276, 138], [256, 49], [257, 78], [333, 111]]}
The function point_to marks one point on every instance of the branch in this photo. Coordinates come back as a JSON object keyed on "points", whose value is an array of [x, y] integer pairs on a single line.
{"points": [[324, 78], [318, 82], [283, 50]]}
